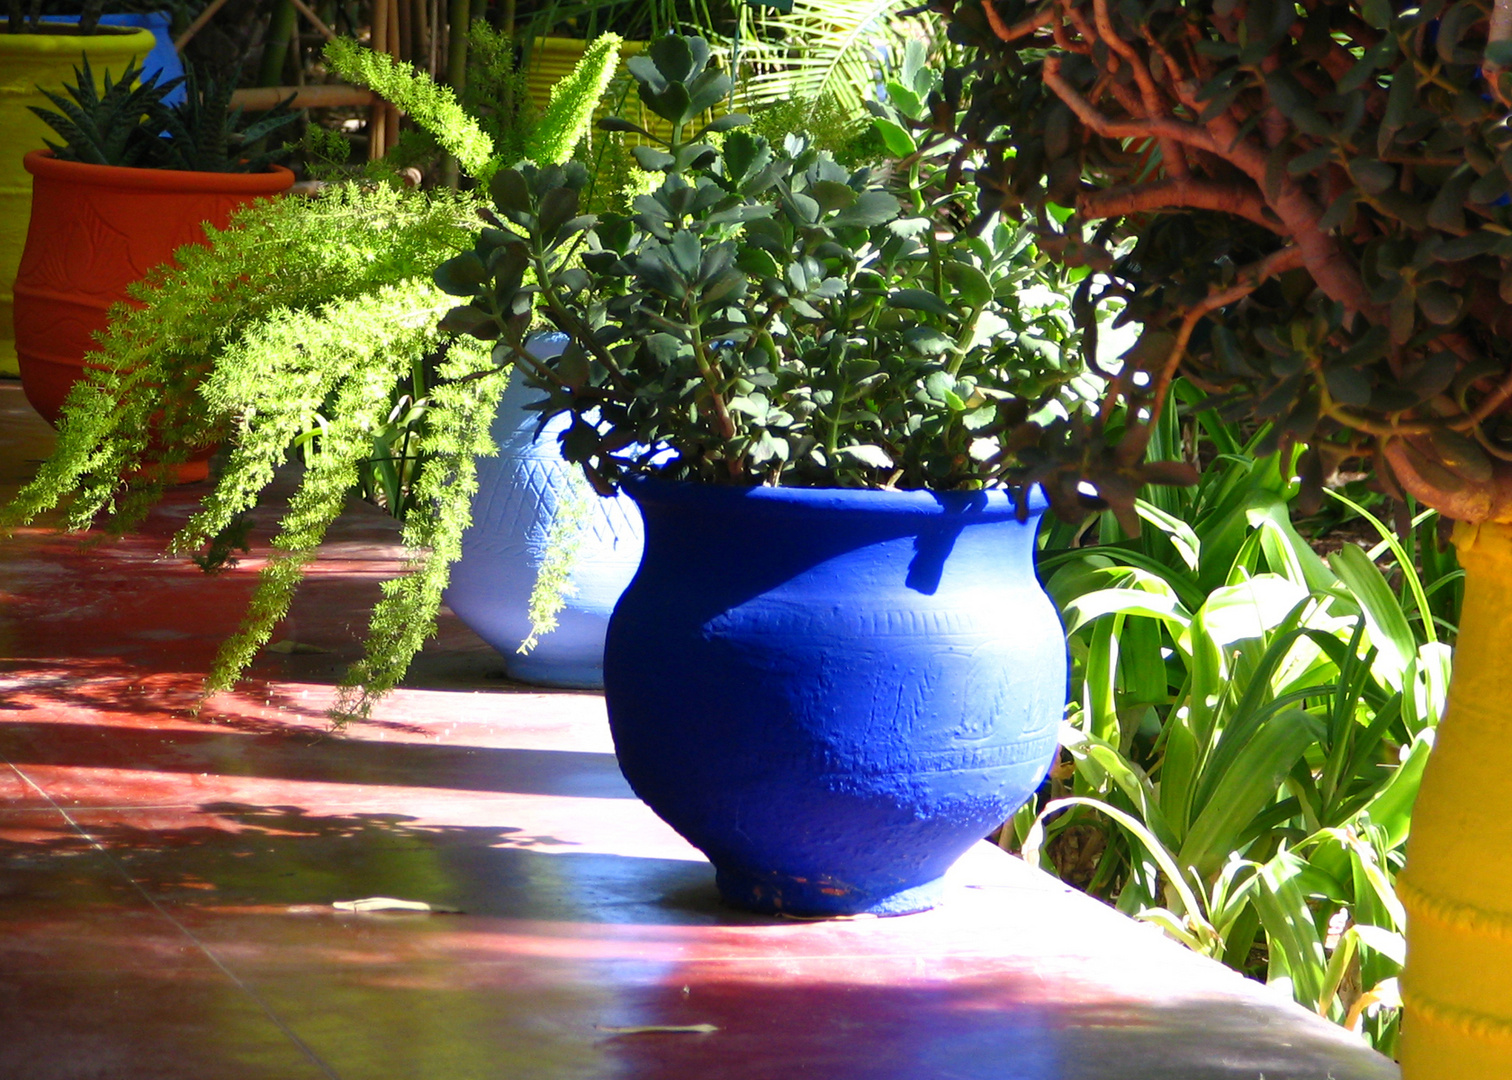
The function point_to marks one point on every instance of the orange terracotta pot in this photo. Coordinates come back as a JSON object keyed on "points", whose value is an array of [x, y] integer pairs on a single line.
{"points": [[94, 230]]}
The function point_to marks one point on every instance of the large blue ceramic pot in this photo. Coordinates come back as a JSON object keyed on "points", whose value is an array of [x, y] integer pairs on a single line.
{"points": [[502, 551], [833, 694]]}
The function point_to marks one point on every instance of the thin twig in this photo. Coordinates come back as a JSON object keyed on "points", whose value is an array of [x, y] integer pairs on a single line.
{"points": [[1022, 28], [1249, 279]]}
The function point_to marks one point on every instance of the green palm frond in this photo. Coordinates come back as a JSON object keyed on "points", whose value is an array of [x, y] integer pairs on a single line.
{"points": [[822, 48]]}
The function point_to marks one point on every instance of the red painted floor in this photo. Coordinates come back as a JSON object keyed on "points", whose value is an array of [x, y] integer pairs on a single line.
{"points": [[167, 880]]}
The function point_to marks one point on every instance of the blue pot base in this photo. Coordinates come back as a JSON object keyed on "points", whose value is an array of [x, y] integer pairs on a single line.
{"points": [[556, 673], [780, 894]]}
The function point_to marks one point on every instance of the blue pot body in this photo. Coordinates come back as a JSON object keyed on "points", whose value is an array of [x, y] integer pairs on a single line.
{"points": [[502, 551], [833, 694], [162, 58]]}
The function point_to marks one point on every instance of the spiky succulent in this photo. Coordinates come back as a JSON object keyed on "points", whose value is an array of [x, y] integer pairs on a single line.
{"points": [[130, 125], [111, 128]]}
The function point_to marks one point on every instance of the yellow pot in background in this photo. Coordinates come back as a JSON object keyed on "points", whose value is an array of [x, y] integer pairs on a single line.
{"points": [[1457, 885], [26, 62]]}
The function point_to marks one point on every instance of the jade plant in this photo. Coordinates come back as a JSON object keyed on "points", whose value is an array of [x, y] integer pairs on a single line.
{"points": [[1309, 210], [307, 323], [129, 124], [765, 316], [1320, 200]]}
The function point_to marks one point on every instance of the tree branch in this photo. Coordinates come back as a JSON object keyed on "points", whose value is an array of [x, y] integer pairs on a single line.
{"points": [[1154, 101], [1188, 134], [1166, 194], [1023, 28]]}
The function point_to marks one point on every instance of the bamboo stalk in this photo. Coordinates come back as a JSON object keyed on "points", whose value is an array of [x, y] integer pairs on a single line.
{"points": [[458, 14], [296, 57], [438, 39], [423, 50], [391, 120], [404, 42], [281, 25], [198, 24], [315, 20], [263, 98], [378, 114]]}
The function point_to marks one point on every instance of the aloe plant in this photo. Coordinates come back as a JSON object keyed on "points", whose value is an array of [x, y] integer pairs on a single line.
{"points": [[109, 127], [130, 125]]}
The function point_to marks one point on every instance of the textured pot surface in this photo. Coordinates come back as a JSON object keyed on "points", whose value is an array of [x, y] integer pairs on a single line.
{"points": [[833, 694], [28, 61], [1457, 986], [519, 492], [94, 230]]}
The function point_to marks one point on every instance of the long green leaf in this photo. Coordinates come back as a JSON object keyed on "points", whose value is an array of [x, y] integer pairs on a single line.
{"points": [[1135, 828], [1247, 785], [1296, 951], [1389, 630]]}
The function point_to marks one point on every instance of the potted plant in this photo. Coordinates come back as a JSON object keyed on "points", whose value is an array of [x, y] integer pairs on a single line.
{"points": [[308, 325], [37, 53], [134, 181], [835, 669], [541, 562], [1313, 208]]}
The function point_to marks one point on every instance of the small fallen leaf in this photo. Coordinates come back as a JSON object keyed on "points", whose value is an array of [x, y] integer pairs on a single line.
{"points": [[661, 1029], [388, 903], [288, 646]]}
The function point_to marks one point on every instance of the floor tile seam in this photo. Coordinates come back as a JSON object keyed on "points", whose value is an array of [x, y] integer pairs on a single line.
{"points": [[267, 1010]]}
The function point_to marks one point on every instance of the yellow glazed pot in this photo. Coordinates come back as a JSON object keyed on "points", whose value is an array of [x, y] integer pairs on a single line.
{"points": [[26, 62], [1457, 885]]}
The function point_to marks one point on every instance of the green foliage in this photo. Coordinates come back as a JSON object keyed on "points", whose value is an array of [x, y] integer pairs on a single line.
{"points": [[1249, 722], [131, 126], [302, 316], [432, 106], [327, 154], [1320, 198], [820, 49], [308, 325], [435, 108], [828, 126], [766, 316], [548, 595]]}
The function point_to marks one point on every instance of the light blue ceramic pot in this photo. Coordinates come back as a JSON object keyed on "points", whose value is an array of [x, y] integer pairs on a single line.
{"points": [[518, 493]]}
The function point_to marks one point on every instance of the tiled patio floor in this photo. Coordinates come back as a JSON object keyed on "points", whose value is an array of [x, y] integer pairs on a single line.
{"points": [[167, 881]]}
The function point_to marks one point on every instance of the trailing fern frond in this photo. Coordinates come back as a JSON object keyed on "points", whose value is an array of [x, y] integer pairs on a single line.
{"points": [[299, 308], [432, 106], [354, 350], [463, 407], [570, 115]]}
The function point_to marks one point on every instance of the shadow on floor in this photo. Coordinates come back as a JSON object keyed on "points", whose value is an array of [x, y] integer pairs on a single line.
{"points": [[281, 857], [304, 757]]}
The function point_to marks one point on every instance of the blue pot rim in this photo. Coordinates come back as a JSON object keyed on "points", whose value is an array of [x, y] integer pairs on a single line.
{"points": [[925, 503]]}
